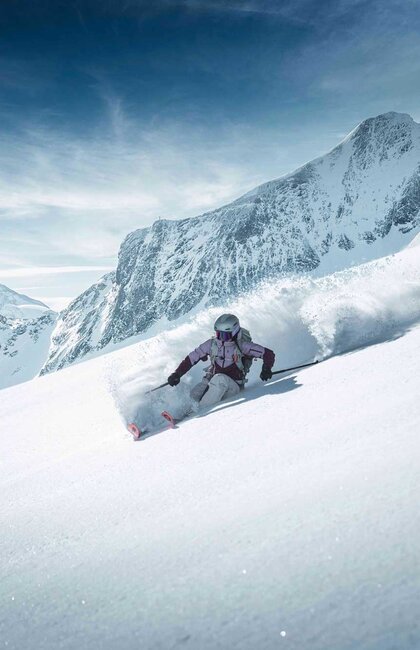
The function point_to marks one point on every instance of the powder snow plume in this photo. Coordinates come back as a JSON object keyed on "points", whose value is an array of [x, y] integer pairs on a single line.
{"points": [[301, 319]]}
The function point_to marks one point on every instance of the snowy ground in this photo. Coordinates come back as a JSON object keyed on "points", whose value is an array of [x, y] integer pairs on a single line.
{"points": [[288, 519]]}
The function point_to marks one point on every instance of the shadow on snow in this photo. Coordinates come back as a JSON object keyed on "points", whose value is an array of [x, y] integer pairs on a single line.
{"points": [[276, 387]]}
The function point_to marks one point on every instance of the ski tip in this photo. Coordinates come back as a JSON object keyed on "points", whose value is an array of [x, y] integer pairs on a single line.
{"points": [[134, 430], [169, 418]]}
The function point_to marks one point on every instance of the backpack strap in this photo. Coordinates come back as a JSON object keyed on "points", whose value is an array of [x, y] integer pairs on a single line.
{"points": [[213, 351], [237, 357]]}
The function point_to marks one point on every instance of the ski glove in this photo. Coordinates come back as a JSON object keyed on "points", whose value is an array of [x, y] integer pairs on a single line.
{"points": [[266, 373], [174, 379]]}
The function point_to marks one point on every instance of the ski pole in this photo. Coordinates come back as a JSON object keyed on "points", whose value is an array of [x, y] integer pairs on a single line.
{"points": [[305, 365], [152, 390]]}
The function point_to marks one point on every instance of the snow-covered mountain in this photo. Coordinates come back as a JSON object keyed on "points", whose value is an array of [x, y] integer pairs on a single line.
{"points": [[17, 305], [26, 326], [286, 519], [358, 202]]}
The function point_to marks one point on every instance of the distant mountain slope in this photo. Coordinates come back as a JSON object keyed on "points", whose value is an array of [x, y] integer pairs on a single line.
{"points": [[80, 328], [17, 305], [358, 202], [24, 347], [26, 326]]}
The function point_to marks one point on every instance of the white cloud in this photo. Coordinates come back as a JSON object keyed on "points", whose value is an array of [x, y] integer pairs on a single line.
{"points": [[69, 196], [67, 201], [30, 271]]}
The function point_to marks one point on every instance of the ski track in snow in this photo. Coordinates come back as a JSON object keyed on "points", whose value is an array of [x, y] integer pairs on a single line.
{"points": [[288, 518]]}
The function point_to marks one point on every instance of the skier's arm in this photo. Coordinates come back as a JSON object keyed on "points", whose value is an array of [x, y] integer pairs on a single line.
{"points": [[199, 354], [251, 349]]}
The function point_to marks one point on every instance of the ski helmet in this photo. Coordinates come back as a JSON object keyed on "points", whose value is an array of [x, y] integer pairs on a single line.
{"points": [[226, 327]]}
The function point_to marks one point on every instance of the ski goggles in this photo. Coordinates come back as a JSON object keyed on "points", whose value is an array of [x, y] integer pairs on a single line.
{"points": [[224, 336]]}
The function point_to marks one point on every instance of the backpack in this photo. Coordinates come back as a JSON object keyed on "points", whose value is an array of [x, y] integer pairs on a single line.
{"points": [[243, 362]]}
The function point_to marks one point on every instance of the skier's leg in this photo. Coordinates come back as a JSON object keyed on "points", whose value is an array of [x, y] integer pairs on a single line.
{"points": [[233, 389], [197, 391], [220, 386]]}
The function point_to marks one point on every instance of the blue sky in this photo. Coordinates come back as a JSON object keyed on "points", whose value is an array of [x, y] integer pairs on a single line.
{"points": [[113, 113]]}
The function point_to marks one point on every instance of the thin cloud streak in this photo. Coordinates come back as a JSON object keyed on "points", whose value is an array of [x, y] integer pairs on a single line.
{"points": [[68, 195], [144, 172], [31, 271]]}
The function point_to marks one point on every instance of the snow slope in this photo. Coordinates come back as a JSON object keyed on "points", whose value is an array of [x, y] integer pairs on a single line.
{"points": [[288, 518], [358, 202]]}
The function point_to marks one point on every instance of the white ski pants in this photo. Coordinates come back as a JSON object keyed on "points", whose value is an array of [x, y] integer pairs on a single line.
{"points": [[220, 387]]}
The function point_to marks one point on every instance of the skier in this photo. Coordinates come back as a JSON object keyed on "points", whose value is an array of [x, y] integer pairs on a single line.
{"points": [[231, 353]]}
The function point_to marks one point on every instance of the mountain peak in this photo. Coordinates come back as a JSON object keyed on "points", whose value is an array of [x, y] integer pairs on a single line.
{"points": [[383, 122], [18, 305], [393, 116]]}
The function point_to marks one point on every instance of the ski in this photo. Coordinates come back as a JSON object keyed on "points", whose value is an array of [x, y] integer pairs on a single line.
{"points": [[169, 418], [134, 430], [139, 433]]}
